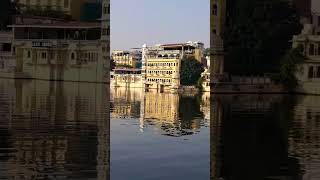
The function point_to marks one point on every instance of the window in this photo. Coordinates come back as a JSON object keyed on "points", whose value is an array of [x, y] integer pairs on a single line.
{"points": [[214, 31], [29, 54], [44, 55], [215, 10], [72, 56], [318, 72], [310, 72], [311, 49]]}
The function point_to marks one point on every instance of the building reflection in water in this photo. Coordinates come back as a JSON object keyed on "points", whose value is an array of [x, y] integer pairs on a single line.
{"points": [[265, 137], [54, 130], [170, 114]]}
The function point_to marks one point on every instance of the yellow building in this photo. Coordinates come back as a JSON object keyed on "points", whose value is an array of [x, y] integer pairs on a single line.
{"points": [[127, 58], [162, 68], [70, 7], [217, 24], [51, 49]]}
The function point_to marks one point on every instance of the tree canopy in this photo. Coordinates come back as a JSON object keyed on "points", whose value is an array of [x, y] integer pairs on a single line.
{"points": [[191, 70], [258, 34]]}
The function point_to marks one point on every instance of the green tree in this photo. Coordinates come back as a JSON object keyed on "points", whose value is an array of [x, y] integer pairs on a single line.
{"points": [[289, 67], [191, 70], [258, 34]]}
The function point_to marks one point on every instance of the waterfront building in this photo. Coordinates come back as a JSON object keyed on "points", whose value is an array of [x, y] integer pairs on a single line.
{"points": [[53, 49], [126, 77], [161, 64], [162, 68], [308, 73], [217, 26], [127, 59], [205, 75]]}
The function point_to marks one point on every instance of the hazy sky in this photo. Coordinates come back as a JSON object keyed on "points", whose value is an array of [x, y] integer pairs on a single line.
{"points": [[135, 22]]}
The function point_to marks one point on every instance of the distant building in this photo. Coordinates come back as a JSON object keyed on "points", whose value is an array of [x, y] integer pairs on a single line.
{"points": [[206, 76], [308, 74], [190, 49], [161, 64], [126, 77], [127, 58], [161, 68]]}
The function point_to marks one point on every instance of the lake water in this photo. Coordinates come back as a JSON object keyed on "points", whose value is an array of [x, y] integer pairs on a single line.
{"points": [[64, 130]]}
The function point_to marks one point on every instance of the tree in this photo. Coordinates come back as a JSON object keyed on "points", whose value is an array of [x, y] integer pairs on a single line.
{"points": [[288, 68], [258, 34], [191, 70]]}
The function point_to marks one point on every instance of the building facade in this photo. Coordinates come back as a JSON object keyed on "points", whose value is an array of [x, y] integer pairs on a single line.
{"points": [[217, 25], [161, 68], [52, 49], [308, 73], [123, 77], [127, 58], [161, 64]]}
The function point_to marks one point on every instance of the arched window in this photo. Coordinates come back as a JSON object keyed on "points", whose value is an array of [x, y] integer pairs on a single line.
{"points": [[215, 9], [310, 72], [29, 54]]}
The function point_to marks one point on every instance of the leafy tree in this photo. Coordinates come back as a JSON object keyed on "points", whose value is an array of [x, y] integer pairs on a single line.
{"points": [[289, 68], [191, 70], [258, 34], [206, 52]]}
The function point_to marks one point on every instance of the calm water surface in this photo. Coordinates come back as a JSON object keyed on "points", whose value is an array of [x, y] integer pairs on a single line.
{"points": [[55, 130], [159, 136]]}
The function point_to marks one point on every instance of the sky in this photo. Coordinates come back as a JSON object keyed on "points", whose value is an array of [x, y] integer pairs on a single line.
{"points": [[138, 22]]}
